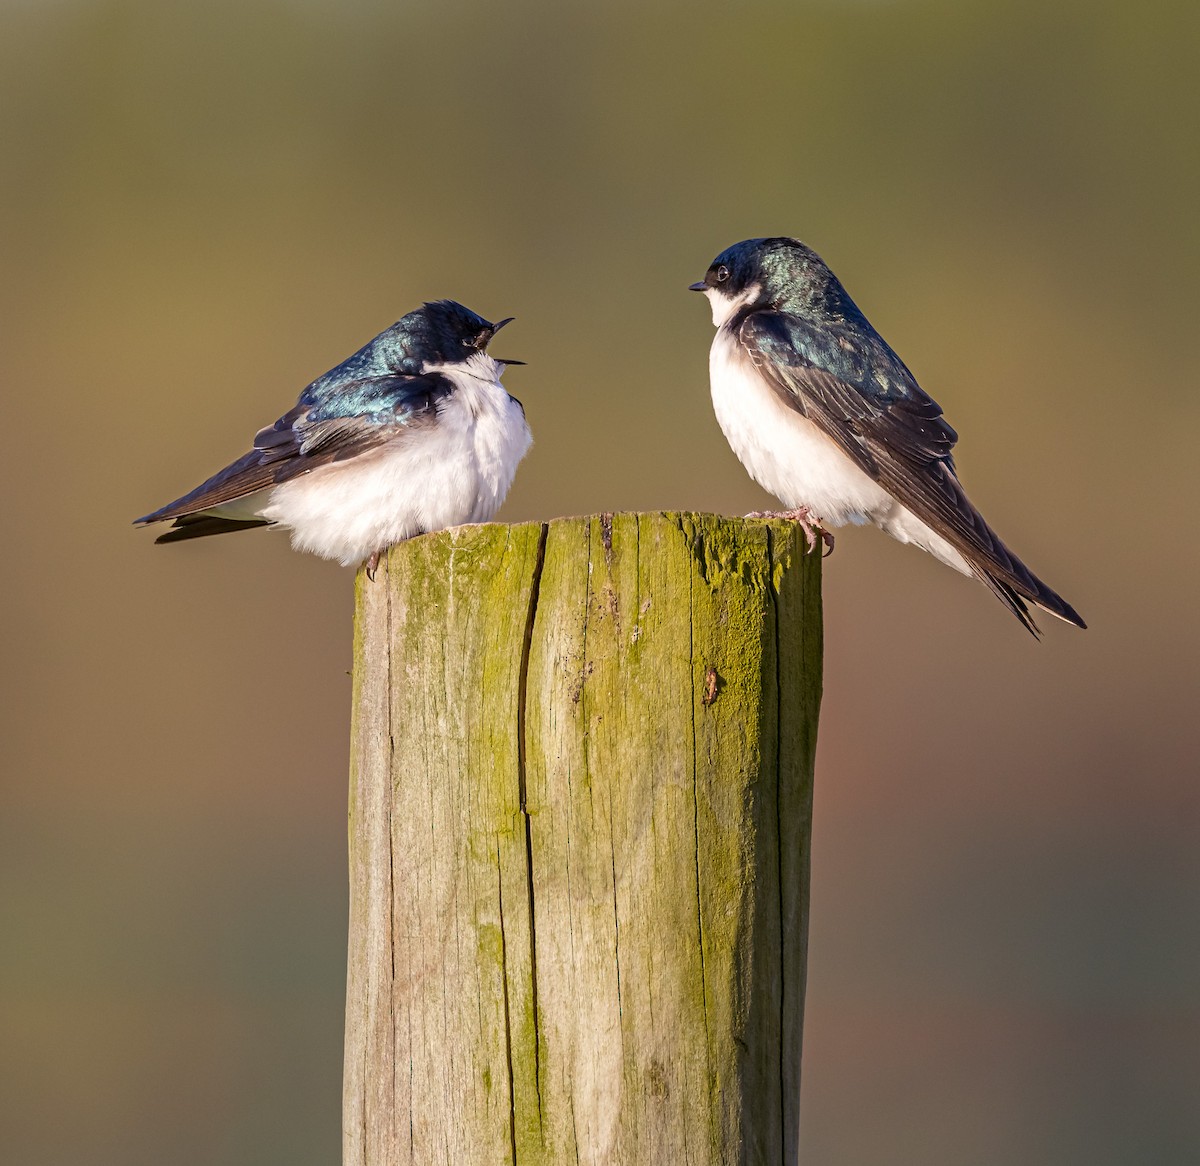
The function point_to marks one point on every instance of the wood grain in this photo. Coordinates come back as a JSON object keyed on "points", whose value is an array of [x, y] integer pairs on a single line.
{"points": [[579, 840]]}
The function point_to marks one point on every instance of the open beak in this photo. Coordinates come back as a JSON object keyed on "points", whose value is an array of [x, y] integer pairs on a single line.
{"points": [[699, 285], [496, 328]]}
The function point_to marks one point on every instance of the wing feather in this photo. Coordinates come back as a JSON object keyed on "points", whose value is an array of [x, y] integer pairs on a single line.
{"points": [[847, 381], [317, 430]]}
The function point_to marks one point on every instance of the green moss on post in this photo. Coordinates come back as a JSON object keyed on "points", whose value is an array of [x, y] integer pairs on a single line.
{"points": [[579, 838]]}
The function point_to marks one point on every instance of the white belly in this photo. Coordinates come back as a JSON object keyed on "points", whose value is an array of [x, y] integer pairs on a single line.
{"points": [[790, 457], [784, 452], [458, 470]]}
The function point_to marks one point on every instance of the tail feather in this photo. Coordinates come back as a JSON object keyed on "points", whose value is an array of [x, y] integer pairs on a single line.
{"points": [[202, 525], [1017, 599], [1003, 592]]}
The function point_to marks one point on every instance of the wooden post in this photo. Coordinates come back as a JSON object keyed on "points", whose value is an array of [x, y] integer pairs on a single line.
{"points": [[580, 803]]}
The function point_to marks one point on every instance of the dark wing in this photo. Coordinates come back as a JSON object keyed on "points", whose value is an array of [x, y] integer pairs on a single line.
{"points": [[360, 416], [846, 380]]}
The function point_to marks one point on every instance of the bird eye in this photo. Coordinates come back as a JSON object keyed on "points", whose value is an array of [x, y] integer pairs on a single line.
{"points": [[722, 273]]}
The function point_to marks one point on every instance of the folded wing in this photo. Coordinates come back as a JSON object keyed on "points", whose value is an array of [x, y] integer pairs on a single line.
{"points": [[859, 392], [318, 430]]}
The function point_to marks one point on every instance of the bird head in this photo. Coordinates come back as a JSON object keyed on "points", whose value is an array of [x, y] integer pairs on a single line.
{"points": [[781, 272]]}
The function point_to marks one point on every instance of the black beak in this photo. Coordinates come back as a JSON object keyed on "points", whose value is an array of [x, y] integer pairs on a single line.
{"points": [[698, 286], [496, 328]]}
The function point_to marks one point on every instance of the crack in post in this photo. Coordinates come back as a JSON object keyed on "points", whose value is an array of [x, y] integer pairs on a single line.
{"points": [[773, 591], [522, 691], [391, 898], [512, 1092], [612, 850], [391, 938], [696, 816]]}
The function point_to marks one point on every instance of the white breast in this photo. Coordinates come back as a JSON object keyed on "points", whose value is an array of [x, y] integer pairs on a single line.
{"points": [[458, 470], [784, 452], [790, 457]]}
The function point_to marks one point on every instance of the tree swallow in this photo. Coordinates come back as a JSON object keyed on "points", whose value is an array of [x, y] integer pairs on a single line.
{"points": [[412, 433], [827, 418]]}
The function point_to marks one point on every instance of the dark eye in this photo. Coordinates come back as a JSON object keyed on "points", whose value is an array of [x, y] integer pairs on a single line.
{"points": [[722, 273]]}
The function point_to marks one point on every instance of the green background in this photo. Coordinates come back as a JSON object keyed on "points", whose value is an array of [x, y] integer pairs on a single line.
{"points": [[205, 205]]}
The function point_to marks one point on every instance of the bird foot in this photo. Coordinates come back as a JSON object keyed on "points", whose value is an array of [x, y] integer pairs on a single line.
{"points": [[811, 525], [373, 565]]}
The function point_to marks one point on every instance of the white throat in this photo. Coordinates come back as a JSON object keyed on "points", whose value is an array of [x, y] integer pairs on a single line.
{"points": [[478, 365], [725, 307]]}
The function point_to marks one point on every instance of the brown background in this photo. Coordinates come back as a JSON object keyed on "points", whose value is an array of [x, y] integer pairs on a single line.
{"points": [[205, 205]]}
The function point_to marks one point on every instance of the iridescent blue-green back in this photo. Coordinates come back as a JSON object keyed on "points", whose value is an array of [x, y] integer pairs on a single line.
{"points": [[436, 333]]}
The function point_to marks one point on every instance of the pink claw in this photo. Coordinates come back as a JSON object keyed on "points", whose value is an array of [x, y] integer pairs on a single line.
{"points": [[812, 526]]}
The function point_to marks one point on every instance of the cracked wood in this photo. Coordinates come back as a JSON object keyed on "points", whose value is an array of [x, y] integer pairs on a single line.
{"points": [[579, 840]]}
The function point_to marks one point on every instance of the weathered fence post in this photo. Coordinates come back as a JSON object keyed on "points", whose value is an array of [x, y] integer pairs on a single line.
{"points": [[580, 803]]}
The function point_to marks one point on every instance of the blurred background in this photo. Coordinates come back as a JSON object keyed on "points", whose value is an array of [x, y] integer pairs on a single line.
{"points": [[207, 204]]}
